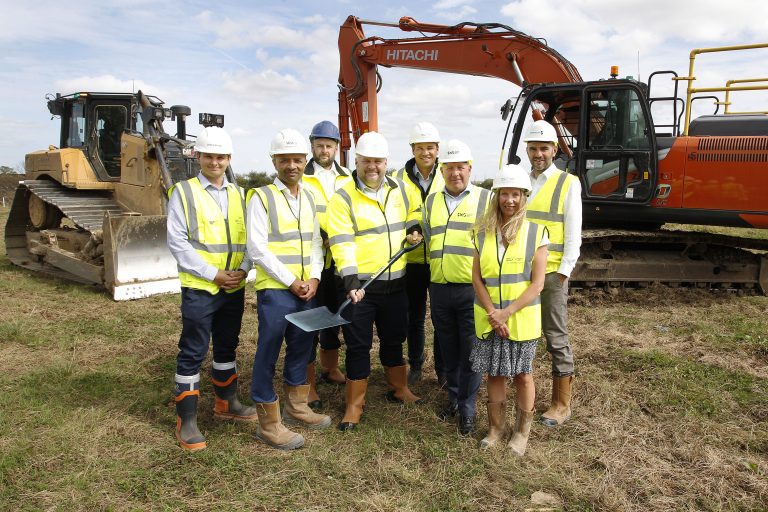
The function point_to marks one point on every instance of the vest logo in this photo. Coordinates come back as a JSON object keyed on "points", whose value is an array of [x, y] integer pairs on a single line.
{"points": [[412, 55], [463, 214]]}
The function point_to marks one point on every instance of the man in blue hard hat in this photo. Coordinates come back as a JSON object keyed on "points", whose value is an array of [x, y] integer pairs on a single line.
{"points": [[323, 176]]}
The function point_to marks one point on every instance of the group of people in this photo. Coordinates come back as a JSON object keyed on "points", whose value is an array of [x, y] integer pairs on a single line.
{"points": [[494, 263]]}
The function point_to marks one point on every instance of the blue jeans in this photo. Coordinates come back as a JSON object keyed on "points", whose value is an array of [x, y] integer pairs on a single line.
{"points": [[205, 317], [271, 307]]}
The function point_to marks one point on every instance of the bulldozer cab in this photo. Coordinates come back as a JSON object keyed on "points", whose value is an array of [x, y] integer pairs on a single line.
{"points": [[605, 137], [95, 123]]}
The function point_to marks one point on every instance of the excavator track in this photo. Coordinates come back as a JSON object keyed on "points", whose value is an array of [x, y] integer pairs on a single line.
{"points": [[99, 242], [618, 258]]}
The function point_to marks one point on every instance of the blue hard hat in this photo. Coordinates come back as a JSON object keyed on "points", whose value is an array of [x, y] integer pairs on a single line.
{"points": [[325, 130]]}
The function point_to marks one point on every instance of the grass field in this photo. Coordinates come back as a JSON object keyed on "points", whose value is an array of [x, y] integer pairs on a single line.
{"points": [[671, 413]]}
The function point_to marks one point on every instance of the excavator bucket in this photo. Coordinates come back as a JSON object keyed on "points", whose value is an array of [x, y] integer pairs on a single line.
{"points": [[136, 257]]}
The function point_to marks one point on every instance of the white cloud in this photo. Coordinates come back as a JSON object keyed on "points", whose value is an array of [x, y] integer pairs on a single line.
{"points": [[257, 88], [108, 83]]}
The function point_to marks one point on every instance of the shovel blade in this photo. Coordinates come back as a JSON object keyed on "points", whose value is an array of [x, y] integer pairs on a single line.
{"points": [[315, 319]]}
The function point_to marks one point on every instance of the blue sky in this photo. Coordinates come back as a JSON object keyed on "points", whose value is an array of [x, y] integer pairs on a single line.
{"points": [[272, 65]]}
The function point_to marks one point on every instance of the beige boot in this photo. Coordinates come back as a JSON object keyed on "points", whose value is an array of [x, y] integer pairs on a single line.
{"points": [[271, 430], [297, 412], [329, 367], [560, 410], [398, 381], [497, 425], [519, 440], [313, 399], [354, 397]]}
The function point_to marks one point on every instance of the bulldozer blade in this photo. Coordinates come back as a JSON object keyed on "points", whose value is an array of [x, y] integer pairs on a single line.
{"points": [[316, 319], [136, 257]]}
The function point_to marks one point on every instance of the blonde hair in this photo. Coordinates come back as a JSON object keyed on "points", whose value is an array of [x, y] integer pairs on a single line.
{"points": [[492, 220]]}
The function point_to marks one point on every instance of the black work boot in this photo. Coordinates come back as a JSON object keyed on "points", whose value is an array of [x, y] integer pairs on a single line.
{"points": [[466, 425], [227, 406], [448, 411], [187, 394]]}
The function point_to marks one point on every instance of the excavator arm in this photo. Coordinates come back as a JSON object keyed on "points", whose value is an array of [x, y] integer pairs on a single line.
{"points": [[481, 49]]}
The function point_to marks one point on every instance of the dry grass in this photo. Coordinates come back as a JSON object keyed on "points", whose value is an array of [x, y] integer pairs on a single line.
{"points": [[671, 413]]}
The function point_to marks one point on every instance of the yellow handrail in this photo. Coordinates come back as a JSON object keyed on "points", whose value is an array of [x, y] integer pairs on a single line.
{"points": [[691, 77], [728, 90]]}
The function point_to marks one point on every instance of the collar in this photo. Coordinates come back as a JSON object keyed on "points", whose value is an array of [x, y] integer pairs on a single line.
{"points": [[463, 193], [411, 169], [205, 183], [309, 169], [547, 172], [388, 182], [282, 188]]}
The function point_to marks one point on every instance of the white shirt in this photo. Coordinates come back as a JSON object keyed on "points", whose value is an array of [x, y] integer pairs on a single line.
{"points": [[327, 177], [378, 195], [572, 219], [500, 249], [424, 183], [257, 240]]}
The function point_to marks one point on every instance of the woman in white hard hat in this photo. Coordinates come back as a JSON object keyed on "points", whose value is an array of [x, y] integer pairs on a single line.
{"points": [[508, 275]]}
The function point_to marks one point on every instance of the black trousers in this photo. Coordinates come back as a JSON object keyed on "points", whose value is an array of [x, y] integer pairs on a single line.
{"points": [[328, 296], [416, 284], [454, 319], [388, 312]]}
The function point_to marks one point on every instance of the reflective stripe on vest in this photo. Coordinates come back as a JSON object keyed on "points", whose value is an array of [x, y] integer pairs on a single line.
{"points": [[289, 237], [507, 280], [363, 234], [547, 209], [420, 255], [451, 250], [219, 241], [313, 185]]}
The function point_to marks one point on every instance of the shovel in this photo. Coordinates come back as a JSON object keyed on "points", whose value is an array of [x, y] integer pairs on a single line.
{"points": [[320, 318]]}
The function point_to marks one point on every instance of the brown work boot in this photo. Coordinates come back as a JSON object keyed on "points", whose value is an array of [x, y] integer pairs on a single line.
{"points": [[560, 410], [519, 440], [354, 397], [226, 405], [398, 381], [313, 399], [187, 434], [297, 412], [497, 425], [272, 431], [329, 367]]}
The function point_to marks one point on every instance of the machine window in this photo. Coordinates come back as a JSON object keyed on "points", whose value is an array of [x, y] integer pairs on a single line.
{"points": [[110, 123], [76, 128]]}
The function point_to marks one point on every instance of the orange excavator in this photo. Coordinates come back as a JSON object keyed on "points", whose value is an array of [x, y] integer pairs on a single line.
{"points": [[636, 175]]}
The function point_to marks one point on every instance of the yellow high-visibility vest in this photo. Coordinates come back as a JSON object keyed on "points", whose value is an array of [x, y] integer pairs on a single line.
{"points": [[416, 196], [219, 241], [364, 234], [451, 249], [547, 209], [506, 276], [289, 237], [313, 185]]}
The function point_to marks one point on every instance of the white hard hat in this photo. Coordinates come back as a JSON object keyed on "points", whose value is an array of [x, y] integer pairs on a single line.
{"points": [[424, 132], [512, 176], [288, 142], [214, 140], [372, 145], [541, 131], [455, 151]]}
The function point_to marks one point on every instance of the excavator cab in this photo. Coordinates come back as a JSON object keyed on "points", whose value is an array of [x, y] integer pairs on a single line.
{"points": [[605, 137]]}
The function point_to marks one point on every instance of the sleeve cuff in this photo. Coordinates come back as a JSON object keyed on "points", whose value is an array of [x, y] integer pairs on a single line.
{"points": [[351, 282]]}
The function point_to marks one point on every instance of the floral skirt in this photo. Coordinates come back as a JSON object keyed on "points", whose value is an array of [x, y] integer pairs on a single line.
{"points": [[499, 356]]}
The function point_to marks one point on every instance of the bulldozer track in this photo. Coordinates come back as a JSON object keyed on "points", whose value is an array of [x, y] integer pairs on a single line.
{"points": [[86, 209]]}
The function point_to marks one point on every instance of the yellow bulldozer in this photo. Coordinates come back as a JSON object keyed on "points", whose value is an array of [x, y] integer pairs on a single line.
{"points": [[93, 210]]}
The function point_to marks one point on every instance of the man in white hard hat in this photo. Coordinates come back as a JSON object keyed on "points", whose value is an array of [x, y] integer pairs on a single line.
{"points": [[285, 245], [449, 216], [421, 176], [555, 202], [323, 176], [206, 213], [368, 220]]}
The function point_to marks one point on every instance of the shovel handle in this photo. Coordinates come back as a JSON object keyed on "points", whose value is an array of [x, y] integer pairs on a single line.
{"points": [[404, 249]]}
